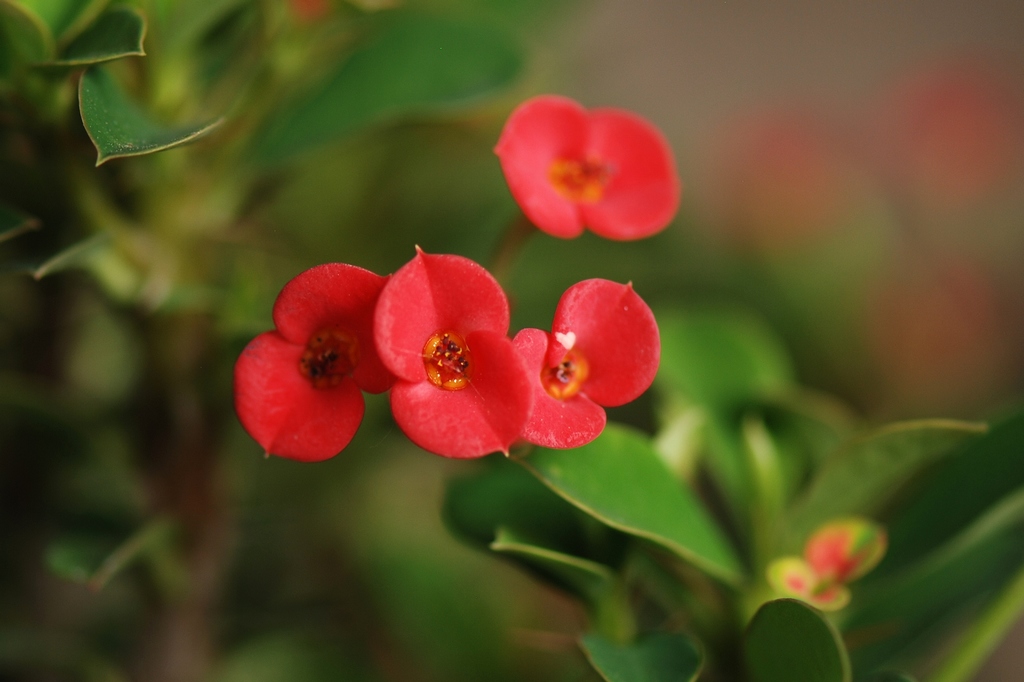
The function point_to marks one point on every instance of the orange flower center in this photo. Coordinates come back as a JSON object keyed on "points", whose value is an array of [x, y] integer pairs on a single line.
{"points": [[564, 380], [447, 360], [582, 181], [330, 356]]}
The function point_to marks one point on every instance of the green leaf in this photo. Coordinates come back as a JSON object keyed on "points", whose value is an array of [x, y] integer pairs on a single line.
{"points": [[588, 578], [117, 33], [919, 605], [74, 255], [25, 33], [93, 561], [720, 359], [889, 676], [788, 640], [119, 128], [659, 657], [864, 476], [620, 480], [15, 223], [415, 65], [505, 509], [63, 16], [959, 491]]}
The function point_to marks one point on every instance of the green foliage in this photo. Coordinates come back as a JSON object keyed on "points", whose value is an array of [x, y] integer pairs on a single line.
{"points": [[14, 223], [662, 657], [788, 640], [119, 128], [117, 33], [413, 65], [619, 480]]}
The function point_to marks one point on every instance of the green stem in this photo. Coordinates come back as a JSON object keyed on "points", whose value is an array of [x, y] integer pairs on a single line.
{"points": [[975, 648], [510, 246]]}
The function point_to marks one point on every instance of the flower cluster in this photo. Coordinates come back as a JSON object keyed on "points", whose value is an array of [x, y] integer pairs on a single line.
{"points": [[835, 555], [436, 334]]}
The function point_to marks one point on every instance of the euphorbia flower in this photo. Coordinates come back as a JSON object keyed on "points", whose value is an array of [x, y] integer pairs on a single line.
{"points": [[441, 327], [606, 169], [603, 350], [836, 554], [297, 389]]}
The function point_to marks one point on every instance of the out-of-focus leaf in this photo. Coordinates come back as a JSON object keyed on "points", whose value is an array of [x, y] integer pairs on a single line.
{"points": [[286, 658], [719, 359], [787, 640], [119, 128], [24, 33], [185, 22], [14, 223], [889, 676], [620, 480], [416, 64], [74, 255], [117, 33], [863, 477], [92, 561], [660, 657], [959, 491], [65, 17], [588, 578]]}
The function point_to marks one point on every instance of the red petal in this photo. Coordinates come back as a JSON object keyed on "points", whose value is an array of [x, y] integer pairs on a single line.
{"points": [[537, 133], [617, 334], [433, 293], [485, 417], [642, 196], [335, 295], [282, 411], [555, 423]]}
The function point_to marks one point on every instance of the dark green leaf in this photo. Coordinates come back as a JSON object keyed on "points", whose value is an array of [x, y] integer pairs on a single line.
{"points": [[962, 488], [117, 33], [76, 557], [787, 640], [506, 509], [659, 657], [24, 33], [117, 126], [74, 255], [587, 578], [889, 676], [620, 480], [414, 65], [863, 477], [14, 223], [719, 359]]}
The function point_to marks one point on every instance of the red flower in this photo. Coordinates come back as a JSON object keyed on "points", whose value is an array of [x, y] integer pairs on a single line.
{"points": [[603, 350], [297, 389], [607, 169], [441, 327]]}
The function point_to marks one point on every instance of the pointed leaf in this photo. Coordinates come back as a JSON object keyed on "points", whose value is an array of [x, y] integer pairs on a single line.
{"points": [[788, 640], [620, 480], [965, 485], [119, 128], [873, 469], [659, 657], [14, 223], [587, 578], [416, 64], [76, 254], [117, 33]]}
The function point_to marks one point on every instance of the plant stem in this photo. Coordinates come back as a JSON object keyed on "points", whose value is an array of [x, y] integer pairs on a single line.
{"points": [[510, 246], [989, 630]]}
